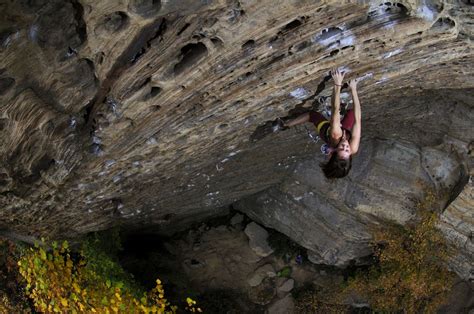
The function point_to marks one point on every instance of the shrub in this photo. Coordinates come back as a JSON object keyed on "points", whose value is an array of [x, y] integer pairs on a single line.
{"points": [[410, 274], [56, 282], [7, 306], [101, 250], [310, 299]]}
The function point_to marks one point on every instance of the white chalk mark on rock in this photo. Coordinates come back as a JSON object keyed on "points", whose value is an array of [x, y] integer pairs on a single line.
{"points": [[300, 93], [392, 53]]}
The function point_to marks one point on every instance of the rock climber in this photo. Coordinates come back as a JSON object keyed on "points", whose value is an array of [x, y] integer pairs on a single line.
{"points": [[342, 136]]}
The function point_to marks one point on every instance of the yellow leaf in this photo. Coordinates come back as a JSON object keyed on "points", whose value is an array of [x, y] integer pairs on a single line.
{"points": [[43, 254], [69, 263], [76, 287]]}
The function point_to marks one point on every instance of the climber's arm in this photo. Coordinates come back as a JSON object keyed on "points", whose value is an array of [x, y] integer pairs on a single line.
{"points": [[336, 131], [356, 129]]}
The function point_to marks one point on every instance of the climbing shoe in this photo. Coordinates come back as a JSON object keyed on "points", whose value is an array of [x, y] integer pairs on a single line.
{"points": [[278, 125]]}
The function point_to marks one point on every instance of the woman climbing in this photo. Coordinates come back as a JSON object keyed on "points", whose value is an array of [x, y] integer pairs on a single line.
{"points": [[343, 137]]}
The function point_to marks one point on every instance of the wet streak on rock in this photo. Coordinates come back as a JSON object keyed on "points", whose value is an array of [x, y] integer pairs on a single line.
{"points": [[5, 84], [81, 28], [183, 29], [139, 46], [144, 48], [319, 89]]}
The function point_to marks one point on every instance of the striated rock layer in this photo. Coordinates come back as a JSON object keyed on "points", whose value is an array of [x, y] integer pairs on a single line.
{"points": [[457, 222], [333, 219], [148, 114]]}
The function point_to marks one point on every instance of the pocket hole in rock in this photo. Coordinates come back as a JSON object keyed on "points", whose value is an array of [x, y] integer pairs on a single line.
{"points": [[249, 44], [292, 25], [145, 8], [190, 54]]}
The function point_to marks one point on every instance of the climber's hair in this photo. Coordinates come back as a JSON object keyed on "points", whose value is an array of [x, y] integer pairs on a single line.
{"points": [[336, 167]]}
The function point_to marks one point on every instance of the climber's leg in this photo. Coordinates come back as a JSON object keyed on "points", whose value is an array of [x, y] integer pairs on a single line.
{"points": [[349, 119], [305, 117]]}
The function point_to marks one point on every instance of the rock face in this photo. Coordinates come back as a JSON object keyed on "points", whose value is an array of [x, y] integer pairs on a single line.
{"points": [[457, 222], [146, 114], [331, 219]]}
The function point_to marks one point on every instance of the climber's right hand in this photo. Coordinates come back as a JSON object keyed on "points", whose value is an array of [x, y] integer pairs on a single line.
{"points": [[353, 84]]}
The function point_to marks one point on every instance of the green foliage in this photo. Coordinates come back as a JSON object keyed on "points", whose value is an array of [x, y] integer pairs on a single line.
{"points": [[100, 250], [91, 282], [285, 272]]}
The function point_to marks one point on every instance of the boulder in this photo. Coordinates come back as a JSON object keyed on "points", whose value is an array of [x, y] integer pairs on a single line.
{"points": [[237, 219], [258, 239], [264, 293], [285, 288], [282, 306], [261, 273]]}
